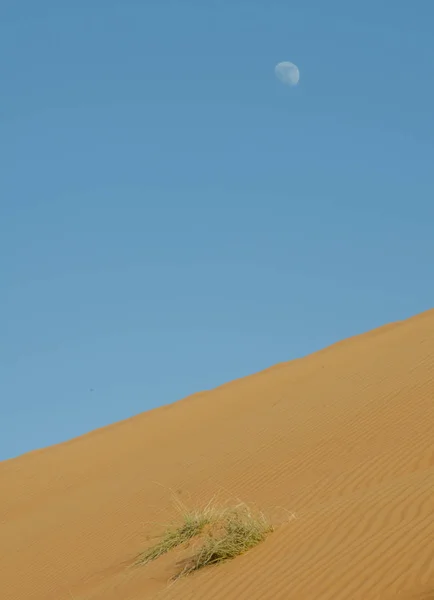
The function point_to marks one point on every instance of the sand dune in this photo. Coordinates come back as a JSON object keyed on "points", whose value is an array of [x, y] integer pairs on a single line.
{"points": [[344, 438]]}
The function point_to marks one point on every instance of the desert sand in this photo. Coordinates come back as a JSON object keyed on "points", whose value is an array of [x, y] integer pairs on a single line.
{"points": [[343, 439]]}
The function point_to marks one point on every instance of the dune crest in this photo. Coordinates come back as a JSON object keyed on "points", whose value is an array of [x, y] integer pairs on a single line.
{"points": [[343, 438]]}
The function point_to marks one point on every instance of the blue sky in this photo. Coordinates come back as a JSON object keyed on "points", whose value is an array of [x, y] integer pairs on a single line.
{"points": [[173, 217]]}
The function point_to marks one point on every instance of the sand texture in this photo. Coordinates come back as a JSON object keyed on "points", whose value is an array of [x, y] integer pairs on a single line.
{"points": [[343, 438]]}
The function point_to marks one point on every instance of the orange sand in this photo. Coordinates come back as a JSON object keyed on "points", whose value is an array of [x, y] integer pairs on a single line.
{"points": [[344, 438]]}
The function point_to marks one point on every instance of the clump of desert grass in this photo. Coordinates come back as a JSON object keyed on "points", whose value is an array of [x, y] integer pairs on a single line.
{"points": [[239, 530], [223, 532], [192, 524]]}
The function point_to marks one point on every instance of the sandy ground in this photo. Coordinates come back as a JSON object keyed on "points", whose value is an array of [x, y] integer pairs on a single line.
{"points": [[343, 438]]}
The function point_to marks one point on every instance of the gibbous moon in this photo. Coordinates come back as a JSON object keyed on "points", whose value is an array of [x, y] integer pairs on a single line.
{"points": [[287, 72]]}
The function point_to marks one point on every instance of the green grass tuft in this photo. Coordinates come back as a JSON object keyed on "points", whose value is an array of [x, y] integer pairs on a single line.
{"points": [[225, 533], [193, 523], [241, 530]]}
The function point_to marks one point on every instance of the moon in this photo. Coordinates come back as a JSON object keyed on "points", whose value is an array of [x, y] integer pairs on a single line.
{"points": [[287, 73]]}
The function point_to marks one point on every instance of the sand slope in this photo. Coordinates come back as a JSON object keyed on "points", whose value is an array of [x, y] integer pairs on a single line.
{"points": [[344, 438]]}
